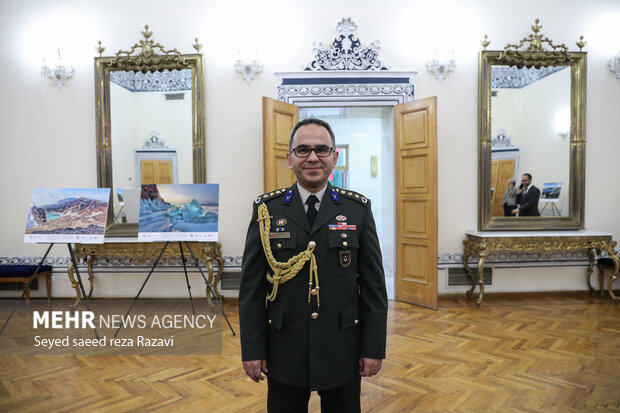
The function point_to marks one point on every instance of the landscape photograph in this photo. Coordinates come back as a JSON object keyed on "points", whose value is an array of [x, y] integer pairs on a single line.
{"points": [[179, 208], [65, 211]]}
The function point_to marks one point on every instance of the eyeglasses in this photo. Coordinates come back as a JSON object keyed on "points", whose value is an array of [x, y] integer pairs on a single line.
{"points": [[304, 151]]}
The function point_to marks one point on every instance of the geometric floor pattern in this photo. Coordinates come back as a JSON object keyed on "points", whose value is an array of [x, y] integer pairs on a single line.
{"points": [[516, 353]]}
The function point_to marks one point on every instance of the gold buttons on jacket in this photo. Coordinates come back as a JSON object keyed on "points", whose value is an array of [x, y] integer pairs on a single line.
{"points": [[314, 291], [356, 322], [279, 245], [314, 316], [269, 321], [344, 243]]}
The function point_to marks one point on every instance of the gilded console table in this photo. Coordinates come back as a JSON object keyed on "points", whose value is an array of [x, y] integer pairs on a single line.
{"points": [[482, 243], [125, 247]]}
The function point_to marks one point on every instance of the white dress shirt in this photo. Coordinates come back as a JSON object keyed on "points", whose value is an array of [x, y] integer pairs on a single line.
{"points": [[304, 194]]}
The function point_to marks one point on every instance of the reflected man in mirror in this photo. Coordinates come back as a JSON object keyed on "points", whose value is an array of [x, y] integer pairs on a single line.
{"points": [[303, 337], [510, 198], [527, 198]]}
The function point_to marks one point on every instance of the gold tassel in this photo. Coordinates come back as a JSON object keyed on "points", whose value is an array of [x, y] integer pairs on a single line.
{"points": [[285, 271]]}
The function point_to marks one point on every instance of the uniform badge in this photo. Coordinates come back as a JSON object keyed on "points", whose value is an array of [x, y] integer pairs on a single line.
{"points": [[334, 195], [341, 218], [289, 196], [279, 235], [281, 222], [345, 258]]}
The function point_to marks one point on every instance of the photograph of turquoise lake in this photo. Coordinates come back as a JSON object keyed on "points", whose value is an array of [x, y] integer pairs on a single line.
{"points": [[177, 212], [67, 214]]}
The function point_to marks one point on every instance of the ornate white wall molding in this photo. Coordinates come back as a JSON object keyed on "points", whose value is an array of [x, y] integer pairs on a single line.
{"points": [[449, 259], [515, 258], [346, 73], [511, 77], [164, 81], [501, 140], [351, 87], [61, 263], [346, 52]]}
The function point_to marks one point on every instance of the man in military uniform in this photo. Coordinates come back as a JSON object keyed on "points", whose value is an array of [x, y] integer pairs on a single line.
{"points": [[312, 302]]}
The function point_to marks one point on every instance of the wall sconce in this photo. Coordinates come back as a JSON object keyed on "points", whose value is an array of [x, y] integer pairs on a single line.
{"points": [[562, 123], [59, 74], [441, 68], [248, 70], [614, 65]]}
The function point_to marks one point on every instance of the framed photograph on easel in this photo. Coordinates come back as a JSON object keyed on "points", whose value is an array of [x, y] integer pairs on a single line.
{"points": [[550, 194], [67, 215], [179, 212]]}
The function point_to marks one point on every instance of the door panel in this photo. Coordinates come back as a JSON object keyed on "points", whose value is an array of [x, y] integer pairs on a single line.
{"points": [[156, 171], [416, 202], [278, 120], [501, 171]]}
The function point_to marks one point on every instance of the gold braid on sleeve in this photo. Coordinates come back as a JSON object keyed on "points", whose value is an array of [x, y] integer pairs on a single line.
{"points": [[284, 271]]}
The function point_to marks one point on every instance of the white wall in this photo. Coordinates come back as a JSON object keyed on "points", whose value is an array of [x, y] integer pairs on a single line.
{"points": [[47, 136]]}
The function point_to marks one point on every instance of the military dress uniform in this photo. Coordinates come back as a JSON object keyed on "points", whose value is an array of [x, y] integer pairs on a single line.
{"points": [[312, 337]]}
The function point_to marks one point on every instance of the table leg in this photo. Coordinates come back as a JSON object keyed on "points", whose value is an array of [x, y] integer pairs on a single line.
{"points": [[48, 285], [589, 270], [218, 276], [481, 277], [91, 276], [613, 277], [210, 279], [466, 255], [74, 284]]}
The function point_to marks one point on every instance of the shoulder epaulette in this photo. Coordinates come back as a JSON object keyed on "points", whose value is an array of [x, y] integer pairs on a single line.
{"points": [[270, 195], [352, 194]]}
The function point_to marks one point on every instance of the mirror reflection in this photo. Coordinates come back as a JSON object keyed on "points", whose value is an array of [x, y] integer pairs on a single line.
{"points": [[530, 130], [151, 134]]}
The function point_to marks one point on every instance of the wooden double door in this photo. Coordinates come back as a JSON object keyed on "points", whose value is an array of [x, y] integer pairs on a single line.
{"points": [[415, 177]]}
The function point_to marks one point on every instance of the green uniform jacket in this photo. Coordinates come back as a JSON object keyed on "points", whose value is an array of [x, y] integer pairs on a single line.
{"points": [[322, 352]]}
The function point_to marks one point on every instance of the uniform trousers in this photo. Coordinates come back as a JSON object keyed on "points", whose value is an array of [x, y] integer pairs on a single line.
{"points": [[284, 398]]}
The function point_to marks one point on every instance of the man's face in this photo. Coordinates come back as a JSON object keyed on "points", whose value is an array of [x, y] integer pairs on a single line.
{"points": [[312, 172], [525, 181]]}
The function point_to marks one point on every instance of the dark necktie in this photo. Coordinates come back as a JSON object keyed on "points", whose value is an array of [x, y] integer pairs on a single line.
{"points": [[311, 213], [524, 193]]}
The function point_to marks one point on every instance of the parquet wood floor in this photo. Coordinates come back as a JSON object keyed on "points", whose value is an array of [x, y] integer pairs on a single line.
{"points": [[518, 353]]}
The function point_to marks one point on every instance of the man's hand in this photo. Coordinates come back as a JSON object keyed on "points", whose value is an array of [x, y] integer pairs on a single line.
{"points": [[254, 369], [369, 367]]}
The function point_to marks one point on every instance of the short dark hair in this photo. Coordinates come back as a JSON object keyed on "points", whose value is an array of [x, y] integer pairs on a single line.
{"points": [[528, 176], [311, 121]]}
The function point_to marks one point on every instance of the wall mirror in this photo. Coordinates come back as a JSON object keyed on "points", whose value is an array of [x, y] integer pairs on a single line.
{"points": [[150, 124], [531, 119]]}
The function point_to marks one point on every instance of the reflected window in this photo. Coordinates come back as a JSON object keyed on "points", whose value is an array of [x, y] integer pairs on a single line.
{"points": [[340, 173]]}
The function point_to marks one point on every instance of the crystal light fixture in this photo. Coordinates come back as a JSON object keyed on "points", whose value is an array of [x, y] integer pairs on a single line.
{"points": [[614, 65], [440, 69], [248, 70], [58, 74]]}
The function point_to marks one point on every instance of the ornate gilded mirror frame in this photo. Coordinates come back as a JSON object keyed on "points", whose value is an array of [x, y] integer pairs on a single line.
{"points": [[147, 55], [533, 51]]}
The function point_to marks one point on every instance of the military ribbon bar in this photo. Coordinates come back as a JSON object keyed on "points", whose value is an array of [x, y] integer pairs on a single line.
{"points": [[342, 227]]}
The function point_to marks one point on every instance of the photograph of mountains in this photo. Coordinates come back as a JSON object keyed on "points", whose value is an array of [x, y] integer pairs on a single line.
{"points": [[68, 211], [186, 208]]}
